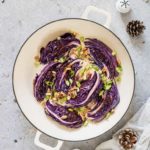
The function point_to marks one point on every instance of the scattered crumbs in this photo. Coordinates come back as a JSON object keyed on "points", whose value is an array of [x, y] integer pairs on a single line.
{"points": [[20, 138], [143, 42], [15, 141], [3, 1]]}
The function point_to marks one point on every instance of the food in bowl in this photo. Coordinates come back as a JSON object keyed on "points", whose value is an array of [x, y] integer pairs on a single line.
{"points": [[78, 81]]}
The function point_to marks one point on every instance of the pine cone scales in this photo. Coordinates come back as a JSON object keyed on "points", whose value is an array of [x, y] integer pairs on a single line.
{"points": [[127, 139], [135, 28]]}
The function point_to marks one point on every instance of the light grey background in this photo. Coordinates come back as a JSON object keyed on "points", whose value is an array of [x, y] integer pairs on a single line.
{"points": [[19, 18]]}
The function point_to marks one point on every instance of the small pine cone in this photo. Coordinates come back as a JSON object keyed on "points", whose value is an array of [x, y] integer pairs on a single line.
{"points": [[135, 28], [127, 139]]}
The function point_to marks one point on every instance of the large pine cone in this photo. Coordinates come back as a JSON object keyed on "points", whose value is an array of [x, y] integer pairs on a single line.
{"points": [[127, 139], [135, 28]]}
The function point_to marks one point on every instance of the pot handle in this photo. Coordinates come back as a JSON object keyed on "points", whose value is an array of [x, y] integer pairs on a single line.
{"points": [[44, 146], [98, 10]]}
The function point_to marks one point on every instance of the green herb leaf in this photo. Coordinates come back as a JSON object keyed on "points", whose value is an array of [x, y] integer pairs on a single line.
{"points": [[119, 69], [49, 83]]}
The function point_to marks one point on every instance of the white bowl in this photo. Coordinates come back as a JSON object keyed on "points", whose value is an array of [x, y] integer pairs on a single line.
{"points": [[24, 73]]}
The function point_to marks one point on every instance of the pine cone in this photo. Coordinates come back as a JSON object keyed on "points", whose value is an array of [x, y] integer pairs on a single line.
{"points": [[135, 28], [127, 139]]}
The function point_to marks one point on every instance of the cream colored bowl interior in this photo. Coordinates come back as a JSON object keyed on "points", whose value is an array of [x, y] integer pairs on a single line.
{"points": [[24, 73]]}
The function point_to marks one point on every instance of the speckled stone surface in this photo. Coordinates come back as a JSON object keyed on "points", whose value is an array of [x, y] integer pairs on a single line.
{"points": [[19, 18]]}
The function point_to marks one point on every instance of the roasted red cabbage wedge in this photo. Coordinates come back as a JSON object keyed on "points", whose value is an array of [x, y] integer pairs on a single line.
{"points": [[104, 105], [62, 115], [40, 86]]}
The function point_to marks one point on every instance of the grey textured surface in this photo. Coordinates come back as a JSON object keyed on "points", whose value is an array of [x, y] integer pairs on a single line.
{"points": [[19, 18]]}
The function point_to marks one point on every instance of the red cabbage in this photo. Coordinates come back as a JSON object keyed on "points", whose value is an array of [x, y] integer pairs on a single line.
{"points": [[40, 86], [102, 54], [57, 48], [79, 75], [62, 115], [104, 105]]}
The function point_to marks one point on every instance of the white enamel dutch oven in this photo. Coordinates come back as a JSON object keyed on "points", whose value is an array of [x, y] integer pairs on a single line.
{"points": [[24, 73]]}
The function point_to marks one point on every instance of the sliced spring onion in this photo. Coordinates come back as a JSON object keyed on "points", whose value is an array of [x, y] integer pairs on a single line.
{"points": [[47, 97], [101, 93], [78, 84], [70, 81], [104, 78], [82, 38], [67, 82], [109, 81], [96, 68], [49, 83], [72, 73], [108, 115], [107, 86], [118, 79], [119, 69], [86, 123], [37, 63], [63, 100], [62, 59], [79, 48], [82, 71]]}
